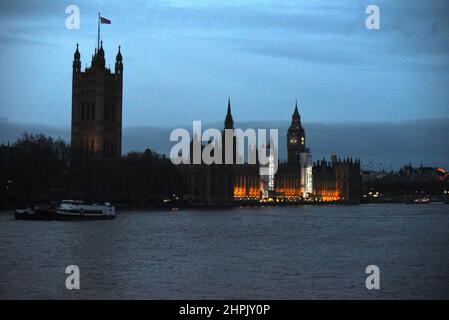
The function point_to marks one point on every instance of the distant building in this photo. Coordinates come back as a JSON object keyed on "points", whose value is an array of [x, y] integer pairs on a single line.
{"points": [[97, 106], [306, 174], [287, 180], [267, 180], [211, 185], [296, 138], [295, 180], [408, 173], [338, 180], [248, 185], [373, 176]]}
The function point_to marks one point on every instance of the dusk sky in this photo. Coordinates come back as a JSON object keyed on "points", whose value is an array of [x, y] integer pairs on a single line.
{"points": [[182, 59]]}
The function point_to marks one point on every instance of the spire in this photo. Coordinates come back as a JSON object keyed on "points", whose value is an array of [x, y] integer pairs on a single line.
{"points": [[118, 64], [296, 115], [119, 55], [229, 122], [76, 61], [98, 60], [101, 50], [77, 55]]}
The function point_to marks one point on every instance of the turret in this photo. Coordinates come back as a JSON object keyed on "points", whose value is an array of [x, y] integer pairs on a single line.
{"points": [[118, 64], [76, 61], [98, 61]]}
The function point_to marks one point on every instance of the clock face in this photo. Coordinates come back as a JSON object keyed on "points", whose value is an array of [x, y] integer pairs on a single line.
{"points": [[293, 141]]}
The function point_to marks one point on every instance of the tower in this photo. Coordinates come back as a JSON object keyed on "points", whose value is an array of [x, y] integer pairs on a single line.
{"points": [[296, 138], [229, 148], [97, 106], [229, 122]]}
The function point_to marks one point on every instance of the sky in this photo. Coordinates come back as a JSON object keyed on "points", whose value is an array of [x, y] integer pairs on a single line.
{"points": [[183, 59]]}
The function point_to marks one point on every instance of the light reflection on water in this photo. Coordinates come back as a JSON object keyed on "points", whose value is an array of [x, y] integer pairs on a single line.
{"points": [[260, 253]]}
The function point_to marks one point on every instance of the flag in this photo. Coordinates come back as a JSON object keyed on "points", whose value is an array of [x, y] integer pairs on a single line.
{"points": [[105, 21]]}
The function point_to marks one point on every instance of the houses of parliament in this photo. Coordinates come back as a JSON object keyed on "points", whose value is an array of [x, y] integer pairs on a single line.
{"points": [[96, 131], [297, 180], [97, 106]]}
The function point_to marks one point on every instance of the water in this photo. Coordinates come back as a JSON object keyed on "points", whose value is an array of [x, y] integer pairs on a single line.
{"points": [[253, 253]]}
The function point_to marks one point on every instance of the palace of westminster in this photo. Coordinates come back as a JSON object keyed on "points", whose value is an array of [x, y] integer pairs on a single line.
{"points": [[97, 130]]}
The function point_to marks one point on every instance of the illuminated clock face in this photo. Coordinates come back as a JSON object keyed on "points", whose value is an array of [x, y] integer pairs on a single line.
{"points": [[302, 140], [293, 141]]}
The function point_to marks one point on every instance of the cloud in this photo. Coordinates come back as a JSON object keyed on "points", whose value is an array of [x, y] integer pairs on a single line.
{"points": [[261, 52], [413, 34], [315, 31], [381, 145], [11, 40]]}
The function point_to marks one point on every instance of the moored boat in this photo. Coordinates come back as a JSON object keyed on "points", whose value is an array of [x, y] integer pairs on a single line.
{"points": [[81, 210], [68, 210], [38, 213], [425, 200]]}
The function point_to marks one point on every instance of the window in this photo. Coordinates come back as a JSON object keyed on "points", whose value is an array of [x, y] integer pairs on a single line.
{"points": [[93, 111], [106, 112], [82, 111]]}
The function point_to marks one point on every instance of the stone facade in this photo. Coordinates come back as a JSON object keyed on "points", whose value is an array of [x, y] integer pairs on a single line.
{"points": [[97, 107]]}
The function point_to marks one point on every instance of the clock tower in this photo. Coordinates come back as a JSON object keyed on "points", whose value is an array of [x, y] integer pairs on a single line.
{"points": [[296, 138]]}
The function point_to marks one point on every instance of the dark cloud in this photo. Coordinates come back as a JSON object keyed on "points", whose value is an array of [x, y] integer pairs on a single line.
{"points": [[386, 145], [315, 31], [320, 32], [261, 52]]}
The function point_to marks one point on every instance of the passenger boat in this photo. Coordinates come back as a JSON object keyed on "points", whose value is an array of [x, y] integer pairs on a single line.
{"points": [[69, 210], [81, 210], [424, 200]]}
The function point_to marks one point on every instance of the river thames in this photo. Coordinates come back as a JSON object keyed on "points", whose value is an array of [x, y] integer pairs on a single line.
{"points": [[298, 252]]}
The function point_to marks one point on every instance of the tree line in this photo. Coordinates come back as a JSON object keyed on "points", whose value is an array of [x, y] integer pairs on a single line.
{"points": [[39, 169]]}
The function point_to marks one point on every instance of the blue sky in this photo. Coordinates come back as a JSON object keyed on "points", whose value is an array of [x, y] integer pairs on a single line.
{"points": [[182, 59]]}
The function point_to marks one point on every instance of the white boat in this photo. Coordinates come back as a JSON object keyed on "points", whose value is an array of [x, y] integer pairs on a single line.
{"points": [[425, 200], [75, 209]]}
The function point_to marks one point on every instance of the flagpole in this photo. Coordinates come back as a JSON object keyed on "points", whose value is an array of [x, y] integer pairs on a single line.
{"points": [[98, 40]]}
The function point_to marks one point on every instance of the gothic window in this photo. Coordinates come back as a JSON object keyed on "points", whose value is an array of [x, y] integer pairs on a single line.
{"points": [[82, 111], [106, 112], [93, 111]]}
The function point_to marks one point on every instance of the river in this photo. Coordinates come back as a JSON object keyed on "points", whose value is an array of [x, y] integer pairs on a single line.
{"points": [[298, 252]]}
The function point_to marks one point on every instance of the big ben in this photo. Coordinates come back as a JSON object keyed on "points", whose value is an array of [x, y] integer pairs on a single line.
{"points": [[296, 138]]}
